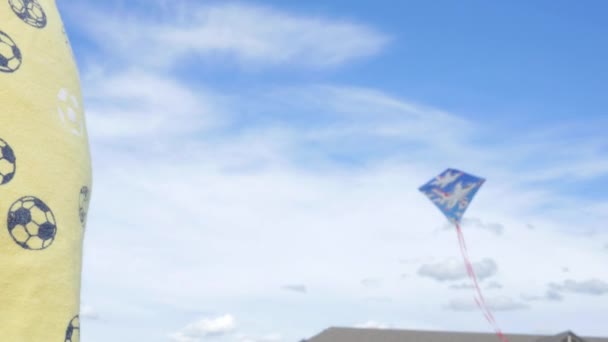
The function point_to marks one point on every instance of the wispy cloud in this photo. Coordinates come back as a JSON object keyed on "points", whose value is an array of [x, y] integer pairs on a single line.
{"points": [[468, 223], [591, 287], [205, 327], [295, 288], [550, 295], [494, 304], [455, 270], [493, 285], [461, 287], [247, 34], [121, 108]]}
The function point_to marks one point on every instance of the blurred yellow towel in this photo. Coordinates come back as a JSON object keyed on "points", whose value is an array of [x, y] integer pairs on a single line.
{"points": [[45, 176]]}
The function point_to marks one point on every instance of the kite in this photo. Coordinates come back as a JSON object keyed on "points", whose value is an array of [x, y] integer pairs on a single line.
{"points": [[452, 192]]}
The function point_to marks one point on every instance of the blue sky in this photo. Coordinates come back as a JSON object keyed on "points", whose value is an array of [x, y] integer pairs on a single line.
{"points": [[541, 60], [256, 166]]}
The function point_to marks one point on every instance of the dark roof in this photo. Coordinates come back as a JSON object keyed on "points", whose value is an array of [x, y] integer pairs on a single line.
{"points": [[562, 337], [390, 335]]}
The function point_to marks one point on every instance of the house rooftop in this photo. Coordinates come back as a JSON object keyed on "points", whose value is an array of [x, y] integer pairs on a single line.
{"points": [[391, 335]]}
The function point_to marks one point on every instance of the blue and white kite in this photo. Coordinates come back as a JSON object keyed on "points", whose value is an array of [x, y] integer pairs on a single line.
{"points": [[452, 192]]}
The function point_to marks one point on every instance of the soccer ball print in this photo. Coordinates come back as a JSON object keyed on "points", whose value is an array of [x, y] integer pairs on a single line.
{"points": [[72, 333], [83, 204], [10, 55], [30, 11], [31, 223], [8, 164]]}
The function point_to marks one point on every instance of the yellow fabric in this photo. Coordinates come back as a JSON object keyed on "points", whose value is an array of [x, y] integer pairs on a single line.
{"points": [[45, 176]]}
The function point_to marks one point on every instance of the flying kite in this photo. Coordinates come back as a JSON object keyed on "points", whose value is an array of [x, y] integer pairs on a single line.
{"points": [[452, 192]]}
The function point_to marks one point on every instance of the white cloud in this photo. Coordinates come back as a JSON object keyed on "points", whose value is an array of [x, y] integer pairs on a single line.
{"points": [[372, 325], [455, 270], [355, 114], [493, 285], [461, 287], [295, 288], [550, 295], [245, 33], [205, 327], [476, 223], [138, 105], [371, 283], [591, 287], [494, 304], [88, 312]]}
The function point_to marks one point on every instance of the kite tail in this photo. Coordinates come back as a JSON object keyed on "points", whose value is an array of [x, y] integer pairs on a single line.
{"points": [[479, 299]]}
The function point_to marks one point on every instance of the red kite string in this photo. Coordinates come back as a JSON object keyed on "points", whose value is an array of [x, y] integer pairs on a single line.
{"points": [[481, 303]]}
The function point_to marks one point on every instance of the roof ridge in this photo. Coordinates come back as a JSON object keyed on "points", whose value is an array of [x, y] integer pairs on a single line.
{"points": [[432, 331]]}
